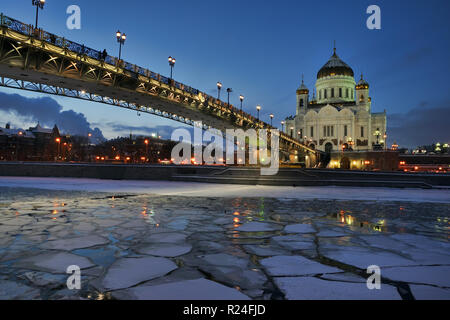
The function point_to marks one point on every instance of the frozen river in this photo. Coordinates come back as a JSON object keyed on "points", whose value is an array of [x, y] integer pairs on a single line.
{"points": [[176, 240], [194, 189]]}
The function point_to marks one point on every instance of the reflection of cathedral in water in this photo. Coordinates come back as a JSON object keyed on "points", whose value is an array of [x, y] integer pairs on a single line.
{"points": [[338, 116]]}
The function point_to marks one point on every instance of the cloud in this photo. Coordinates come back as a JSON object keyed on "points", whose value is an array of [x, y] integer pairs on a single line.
{"points": [[48, 112], [422, 125]]}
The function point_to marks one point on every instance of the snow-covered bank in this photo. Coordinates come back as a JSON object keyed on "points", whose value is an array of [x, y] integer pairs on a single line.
{"points": [[195, 189]]}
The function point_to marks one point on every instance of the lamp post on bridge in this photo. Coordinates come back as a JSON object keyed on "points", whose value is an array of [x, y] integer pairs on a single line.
{"points": [[219, 87], [171, 64], [229, 90], [258, 108], [241, 97], [39, 5], [282, 126], [121, 37], [271, 119]]}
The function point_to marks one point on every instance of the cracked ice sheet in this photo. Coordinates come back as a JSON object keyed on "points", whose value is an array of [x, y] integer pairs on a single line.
{"points": [[196, 189], [435, 275], [364, 257], [294, 266], [198, 289], [309, 288]]}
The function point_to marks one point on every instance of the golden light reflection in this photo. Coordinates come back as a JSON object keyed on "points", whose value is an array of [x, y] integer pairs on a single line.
{"points": [[236, 220], [236, 213], [349, 220], [345, 218]]}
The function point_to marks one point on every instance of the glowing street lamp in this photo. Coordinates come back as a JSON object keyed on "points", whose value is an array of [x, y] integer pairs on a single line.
{"points": [[241, 97], [171, 64], [271, 119], [258, 108], [39, 5], [219, 87], [146, 148], [282, 126], [58, 141], [121, 37]]}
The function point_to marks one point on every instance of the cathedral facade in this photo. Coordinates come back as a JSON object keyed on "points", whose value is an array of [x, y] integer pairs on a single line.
{"points": [[338, 116]]}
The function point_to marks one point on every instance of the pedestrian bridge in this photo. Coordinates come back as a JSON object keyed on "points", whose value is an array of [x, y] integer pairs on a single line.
{"points": [[35, 60]]}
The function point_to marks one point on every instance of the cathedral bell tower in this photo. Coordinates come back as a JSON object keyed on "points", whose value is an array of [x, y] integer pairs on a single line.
{"points": [[362, 93], [302, 98]]}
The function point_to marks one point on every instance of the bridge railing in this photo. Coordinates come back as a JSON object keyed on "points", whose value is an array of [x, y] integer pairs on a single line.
{"points": [[82, 50]]}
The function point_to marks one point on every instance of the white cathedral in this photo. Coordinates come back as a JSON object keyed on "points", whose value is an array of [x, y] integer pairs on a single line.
{"points": [[339, 118]]}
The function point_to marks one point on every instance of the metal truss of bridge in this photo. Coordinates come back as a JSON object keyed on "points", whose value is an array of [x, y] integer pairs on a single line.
{"points": [[35, 60]]}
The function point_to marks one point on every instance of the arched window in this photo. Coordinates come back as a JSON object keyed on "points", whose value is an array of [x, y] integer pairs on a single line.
{"points": [[301, 102], [332, 92], [352, 93], [361, 98], [346, 93], [325, 93], [320, 94], [340, 92]]}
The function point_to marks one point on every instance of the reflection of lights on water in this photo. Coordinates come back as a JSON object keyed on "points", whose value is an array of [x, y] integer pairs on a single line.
{"points": [[236, 220], [349, 220], [55, 212], [345, 218], [236, 213]]}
